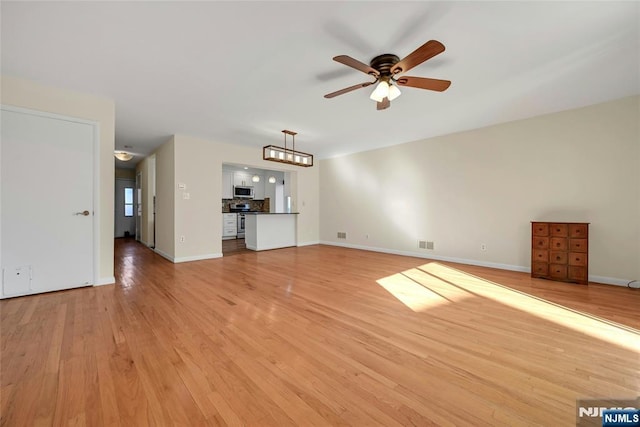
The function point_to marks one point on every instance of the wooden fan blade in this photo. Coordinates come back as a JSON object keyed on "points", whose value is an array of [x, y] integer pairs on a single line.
{"points": [[384, 104], [354, 63], [418, 56], [424, 83], [348, 89]]}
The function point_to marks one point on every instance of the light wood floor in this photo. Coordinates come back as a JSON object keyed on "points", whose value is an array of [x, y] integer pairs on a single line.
{"points": [[315, 336], [233, 247]]}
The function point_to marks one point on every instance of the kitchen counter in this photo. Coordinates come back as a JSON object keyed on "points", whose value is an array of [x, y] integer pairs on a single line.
{"points": [[265, 230]]}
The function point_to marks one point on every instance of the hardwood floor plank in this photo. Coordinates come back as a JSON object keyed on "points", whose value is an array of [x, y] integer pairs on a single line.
{"points": [[230, 418], [314, 336], [106, 390]]}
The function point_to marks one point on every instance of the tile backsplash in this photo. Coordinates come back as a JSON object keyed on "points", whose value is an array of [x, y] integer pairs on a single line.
{"points": [[256, 205]]}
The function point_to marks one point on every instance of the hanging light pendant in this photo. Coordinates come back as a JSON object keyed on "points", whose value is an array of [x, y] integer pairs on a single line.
{"points": [[286, 155]]}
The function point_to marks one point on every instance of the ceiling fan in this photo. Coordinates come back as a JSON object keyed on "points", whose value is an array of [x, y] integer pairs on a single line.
{"points": [[386, 67]]}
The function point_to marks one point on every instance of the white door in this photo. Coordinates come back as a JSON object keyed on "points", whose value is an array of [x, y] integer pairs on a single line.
{"points": [[47, 173], [124, 204]]}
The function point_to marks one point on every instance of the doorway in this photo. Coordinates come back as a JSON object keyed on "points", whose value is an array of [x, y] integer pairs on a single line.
{"points": [[125, 208]]}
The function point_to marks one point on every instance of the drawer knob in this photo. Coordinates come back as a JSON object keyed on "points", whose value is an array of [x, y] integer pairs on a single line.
{"points": [[557, 258]]}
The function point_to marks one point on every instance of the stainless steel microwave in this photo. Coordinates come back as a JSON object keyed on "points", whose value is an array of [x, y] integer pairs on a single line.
{"points": [[241, 192]]}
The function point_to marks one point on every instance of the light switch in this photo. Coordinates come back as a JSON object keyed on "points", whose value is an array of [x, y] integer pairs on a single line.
{"points": [[182, 186]]}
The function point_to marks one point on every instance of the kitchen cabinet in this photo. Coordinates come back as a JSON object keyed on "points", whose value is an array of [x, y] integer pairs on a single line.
{"points": [[560, 251], [242, 179], [229, 225], [227, 185], [265, 231]]}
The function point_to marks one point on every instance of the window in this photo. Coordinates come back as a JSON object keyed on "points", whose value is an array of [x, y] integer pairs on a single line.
{"points": [[128, 201]]}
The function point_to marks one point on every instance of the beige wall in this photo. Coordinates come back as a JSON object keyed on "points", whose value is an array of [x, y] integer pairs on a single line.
{"points": [[199, 169], [486, 185], [146, 168], [197, 163], [165, 200], [125, 173], [28, 94]]}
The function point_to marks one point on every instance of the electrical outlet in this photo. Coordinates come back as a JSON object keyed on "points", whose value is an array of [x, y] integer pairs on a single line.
{"points": [[483, 247], [186, 196], [182, 239]]}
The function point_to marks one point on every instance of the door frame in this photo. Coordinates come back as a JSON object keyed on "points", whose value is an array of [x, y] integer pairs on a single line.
{"points": [[96, 218]]}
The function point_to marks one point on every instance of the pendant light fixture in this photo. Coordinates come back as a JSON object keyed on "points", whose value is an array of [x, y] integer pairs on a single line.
{"points": [[286, 155]]}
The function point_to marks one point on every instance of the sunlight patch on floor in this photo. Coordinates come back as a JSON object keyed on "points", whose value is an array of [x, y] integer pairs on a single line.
{"points": [[420, 291], [605, 330]]}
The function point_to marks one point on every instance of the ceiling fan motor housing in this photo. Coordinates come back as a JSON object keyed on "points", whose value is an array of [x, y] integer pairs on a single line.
{"points": [[383, 63]]}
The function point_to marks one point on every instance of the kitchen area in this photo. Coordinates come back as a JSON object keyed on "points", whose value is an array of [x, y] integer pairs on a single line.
{"points": [[248, 193]]}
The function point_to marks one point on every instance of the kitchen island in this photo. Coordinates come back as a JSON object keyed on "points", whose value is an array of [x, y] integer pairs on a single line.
{"points": [[264, 231]]}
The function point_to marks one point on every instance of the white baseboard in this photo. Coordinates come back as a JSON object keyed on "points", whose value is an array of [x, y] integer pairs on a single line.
{"points": [[105, 281], [145, 243], [266, 248], [520, 268], [197, 258], [608, 280], [163, 254], [177, 260], [317, 242]]}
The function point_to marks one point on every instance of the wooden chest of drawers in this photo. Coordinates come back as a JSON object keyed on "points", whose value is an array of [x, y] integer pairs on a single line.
{"points": [[560, 251]]}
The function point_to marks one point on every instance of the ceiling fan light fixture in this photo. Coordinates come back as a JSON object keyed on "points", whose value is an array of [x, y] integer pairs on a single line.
{"points": [[394, 92], [380, 92]]}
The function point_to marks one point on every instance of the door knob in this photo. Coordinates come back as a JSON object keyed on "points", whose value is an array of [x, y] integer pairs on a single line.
{"points": [[83, 213]]}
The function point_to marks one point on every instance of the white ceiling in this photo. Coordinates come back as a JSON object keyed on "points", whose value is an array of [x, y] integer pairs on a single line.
{"points": [[240, 72]]}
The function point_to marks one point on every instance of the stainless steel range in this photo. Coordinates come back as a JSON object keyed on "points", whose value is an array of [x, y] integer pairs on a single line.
{"points": [[240, 208]]}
